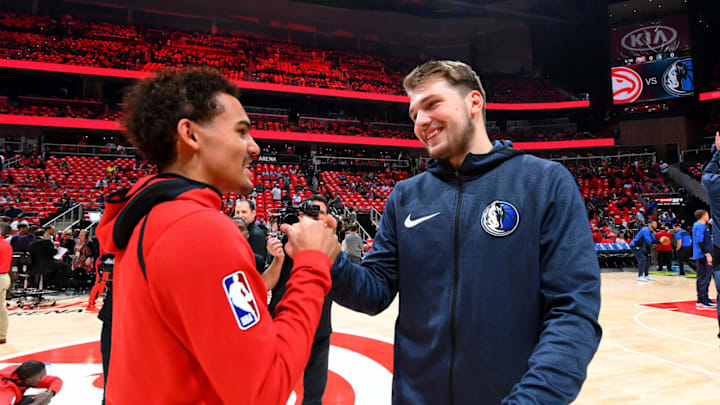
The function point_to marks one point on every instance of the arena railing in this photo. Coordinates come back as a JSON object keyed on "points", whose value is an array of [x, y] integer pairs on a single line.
{"points": [[350, 161], [67, 219], [695, 155], [619, 156], [89, 150]]}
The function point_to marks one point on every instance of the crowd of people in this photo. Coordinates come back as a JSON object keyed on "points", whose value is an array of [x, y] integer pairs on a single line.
{"points": [[70, 40]]}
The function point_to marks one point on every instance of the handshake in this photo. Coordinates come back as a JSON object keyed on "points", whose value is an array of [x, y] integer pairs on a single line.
{"points": [[315, 234]]}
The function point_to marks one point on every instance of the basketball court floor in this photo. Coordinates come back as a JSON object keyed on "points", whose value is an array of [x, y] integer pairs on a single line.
{"points": [[656, 348]]}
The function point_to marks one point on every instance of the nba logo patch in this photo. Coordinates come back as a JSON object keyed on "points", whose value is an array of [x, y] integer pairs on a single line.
{"points": [[500, 218], [241, 299]]}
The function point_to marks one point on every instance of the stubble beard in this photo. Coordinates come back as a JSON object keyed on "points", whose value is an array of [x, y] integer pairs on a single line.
{"points": [[456, 144]]}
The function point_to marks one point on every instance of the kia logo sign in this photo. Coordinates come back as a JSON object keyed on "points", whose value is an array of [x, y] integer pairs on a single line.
{"points": [[627, 85], [651, 38]]}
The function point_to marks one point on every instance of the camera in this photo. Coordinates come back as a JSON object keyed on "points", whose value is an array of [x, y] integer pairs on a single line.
{"points": [[291, 213]]}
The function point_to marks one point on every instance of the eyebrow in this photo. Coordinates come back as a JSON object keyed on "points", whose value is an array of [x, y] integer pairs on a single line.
{"points": [[241, 122], [421, 102]]}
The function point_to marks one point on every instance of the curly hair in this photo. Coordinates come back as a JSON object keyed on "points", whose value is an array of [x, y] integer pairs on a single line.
{"points": [[153, 106]]}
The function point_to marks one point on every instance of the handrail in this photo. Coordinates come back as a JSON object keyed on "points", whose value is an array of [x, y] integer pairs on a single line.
{"points": [[328, 159], [69, 212], [375, 217], [603, 157], [11, 162]]}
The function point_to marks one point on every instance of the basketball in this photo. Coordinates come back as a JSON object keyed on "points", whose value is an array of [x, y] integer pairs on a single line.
{"points": [[665, 240]]}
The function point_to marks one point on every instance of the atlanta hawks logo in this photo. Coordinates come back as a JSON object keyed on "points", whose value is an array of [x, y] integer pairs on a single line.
{"points": [[627, 85], [359, 371], [500, 218]]}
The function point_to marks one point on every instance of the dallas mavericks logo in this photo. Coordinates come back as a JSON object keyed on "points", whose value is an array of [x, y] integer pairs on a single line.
{"points": [[500, 218], [678, 78], [242, 301]]}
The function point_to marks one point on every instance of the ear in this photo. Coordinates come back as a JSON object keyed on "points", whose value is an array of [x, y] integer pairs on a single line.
{"points": [[186, 135], [476, 102]]}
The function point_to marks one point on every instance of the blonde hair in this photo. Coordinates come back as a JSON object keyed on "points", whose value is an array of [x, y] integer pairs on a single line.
{"points": [[458, 74]]}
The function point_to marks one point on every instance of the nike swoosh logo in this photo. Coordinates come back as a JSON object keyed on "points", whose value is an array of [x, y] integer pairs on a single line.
{"points": [[411, 223]]}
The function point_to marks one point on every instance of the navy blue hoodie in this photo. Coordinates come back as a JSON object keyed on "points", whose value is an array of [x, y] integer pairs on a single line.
{"points": [[498, 279], [711, 182]]}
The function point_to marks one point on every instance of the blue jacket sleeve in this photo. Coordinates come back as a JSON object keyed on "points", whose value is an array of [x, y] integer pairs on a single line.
{"points": [[371, 286], [570, 286], [710, 176], [649, 237]]}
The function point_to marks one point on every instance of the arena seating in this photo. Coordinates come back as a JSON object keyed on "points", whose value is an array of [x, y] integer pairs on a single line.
{"points": [[611, 190], [68, 40], [374, 196], [265, 176], [69, 108], [331, 126], [91, 109], [543, 136], [522, 90], [269, 122], [38, 191]]}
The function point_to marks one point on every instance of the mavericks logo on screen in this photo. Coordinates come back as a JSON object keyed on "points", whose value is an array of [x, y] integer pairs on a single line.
{"points": [[677, 79]]}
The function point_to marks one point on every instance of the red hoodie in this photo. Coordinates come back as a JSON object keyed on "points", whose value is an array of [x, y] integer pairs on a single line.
{"points": [[11, 392], [193, 327]]}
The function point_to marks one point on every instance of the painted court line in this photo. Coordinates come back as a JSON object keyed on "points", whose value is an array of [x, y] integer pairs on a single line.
{"points": [[710, 373], [639, 322]]}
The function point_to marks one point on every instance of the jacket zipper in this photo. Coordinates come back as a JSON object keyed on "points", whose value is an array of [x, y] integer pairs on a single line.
{"points": [[455, 286]]}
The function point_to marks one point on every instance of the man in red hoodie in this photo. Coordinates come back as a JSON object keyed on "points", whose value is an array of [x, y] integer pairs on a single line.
{"points": [[15, 380], [190, 318]]}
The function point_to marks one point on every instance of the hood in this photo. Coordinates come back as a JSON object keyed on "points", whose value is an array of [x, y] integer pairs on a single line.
{"points": [[475, 165], [125, 208]]}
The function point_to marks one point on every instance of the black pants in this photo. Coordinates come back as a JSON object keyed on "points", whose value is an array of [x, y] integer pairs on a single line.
{"points": [[683, 256], [56, 276], [316, 371], [664, 259], [704, 274]]}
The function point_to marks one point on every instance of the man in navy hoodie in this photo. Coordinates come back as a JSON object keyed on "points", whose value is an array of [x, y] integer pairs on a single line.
{"points": [[711, 182], [491, 253]]}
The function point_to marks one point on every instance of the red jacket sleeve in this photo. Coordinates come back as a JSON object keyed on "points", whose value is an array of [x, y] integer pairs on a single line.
{"points": [[50, 382], [257, 365]]}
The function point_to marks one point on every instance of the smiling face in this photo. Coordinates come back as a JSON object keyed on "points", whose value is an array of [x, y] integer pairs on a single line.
{"points": [[225, 148], [442, 117]]}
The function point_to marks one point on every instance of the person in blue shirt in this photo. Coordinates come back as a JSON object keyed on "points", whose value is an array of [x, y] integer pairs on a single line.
{"points": [[683, 247], [492, 256], [641, 245], [702, 254]]}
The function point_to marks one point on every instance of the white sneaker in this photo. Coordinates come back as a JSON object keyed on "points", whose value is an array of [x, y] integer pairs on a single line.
{"points": [[641, 278], [648, 278]]}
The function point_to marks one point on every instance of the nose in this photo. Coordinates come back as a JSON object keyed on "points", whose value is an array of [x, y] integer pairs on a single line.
{"points": [[252, 147], [422, 121]]}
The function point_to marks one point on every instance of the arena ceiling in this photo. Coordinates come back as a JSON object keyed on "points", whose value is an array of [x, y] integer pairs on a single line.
{"points": [[479, 16]]}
